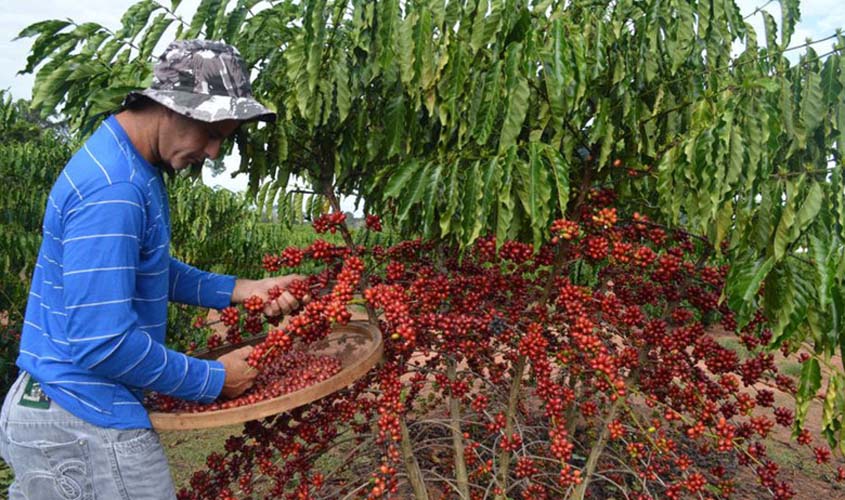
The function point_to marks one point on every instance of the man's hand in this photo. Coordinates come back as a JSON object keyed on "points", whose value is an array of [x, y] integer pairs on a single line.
{"points": [[283, 304], [239, 375]]}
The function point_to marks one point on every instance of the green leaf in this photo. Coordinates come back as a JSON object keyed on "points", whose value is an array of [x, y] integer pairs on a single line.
{"points": [[413, 192], [49, 45], [136, 17], [824, 268], [297, 213], [452, 195], [560, 177], [790, 15], [273, 198], [400, 178], [261, 199], [837, 183], [813, 109], [784, 231], [424, 51], [538, 191], [153, 35], [477, 38], [810, 207], [724, 224], [433, 193], [506, 202], [736, 160], [491, 181], [407, 50], [343, 98], [833, 408], [471, 222], [282, 144], [743, 282], [85, 71], [235, 22], [555, 70], [107, 100], [295, 57], [490, 104], [831, 87], [51, 90], [46, 28], [518, 95], [808, 386], [838, 300], [283, 213], [394, 125], [388, 15], [315, 28]]}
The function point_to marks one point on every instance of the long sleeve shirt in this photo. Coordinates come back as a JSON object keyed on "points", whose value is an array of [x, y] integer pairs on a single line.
{"points": [[96, 315]]}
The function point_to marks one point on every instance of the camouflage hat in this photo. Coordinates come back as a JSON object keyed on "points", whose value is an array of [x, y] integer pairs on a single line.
{"points": [[204, 80]]}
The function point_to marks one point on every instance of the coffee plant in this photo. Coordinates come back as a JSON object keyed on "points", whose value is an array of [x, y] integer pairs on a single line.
{"points": [[582, 190], [585, 366]]}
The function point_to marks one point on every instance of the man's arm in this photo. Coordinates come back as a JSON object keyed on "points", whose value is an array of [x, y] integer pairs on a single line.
{"points": [[189, 285], [101, 252]]}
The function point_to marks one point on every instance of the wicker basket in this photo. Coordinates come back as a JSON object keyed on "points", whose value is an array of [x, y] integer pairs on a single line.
{"points": [[357, 345]]}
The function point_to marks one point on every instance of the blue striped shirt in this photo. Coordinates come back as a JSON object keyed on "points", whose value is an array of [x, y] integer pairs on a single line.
{"points": [[95, 320]]}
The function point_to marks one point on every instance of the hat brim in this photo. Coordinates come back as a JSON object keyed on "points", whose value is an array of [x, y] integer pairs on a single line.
{"points": [[208, 108]]}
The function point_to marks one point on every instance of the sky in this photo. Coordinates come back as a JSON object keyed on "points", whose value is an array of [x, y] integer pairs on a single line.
{"points": [[819, 19]]}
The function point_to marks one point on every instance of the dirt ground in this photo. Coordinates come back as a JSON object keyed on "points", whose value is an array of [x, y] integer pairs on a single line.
{"points": [[798, 464]]}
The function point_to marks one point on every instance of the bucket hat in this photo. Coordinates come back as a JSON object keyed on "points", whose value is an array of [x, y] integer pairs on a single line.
{"points": [[204, 80]]}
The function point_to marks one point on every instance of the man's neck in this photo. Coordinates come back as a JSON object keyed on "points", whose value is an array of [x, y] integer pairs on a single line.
{"points": [[139, 126]]}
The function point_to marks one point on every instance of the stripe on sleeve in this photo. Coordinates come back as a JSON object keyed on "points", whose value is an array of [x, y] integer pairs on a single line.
{"points": [[106, 356], [85, 146], [143, 357], [103, 303], [184, 375], [98, 269], [72, 184], [163, 367], [104, 235]]}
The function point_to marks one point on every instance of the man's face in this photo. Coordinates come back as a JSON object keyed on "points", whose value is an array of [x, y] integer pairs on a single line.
{"points": [[184, 141]]}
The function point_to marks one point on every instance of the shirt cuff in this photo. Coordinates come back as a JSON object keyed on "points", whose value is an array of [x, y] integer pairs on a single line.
{"points": [[216, 291], [217, 375]]}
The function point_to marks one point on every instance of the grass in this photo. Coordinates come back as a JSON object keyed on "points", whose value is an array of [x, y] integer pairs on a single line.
{"points": [[736, 346], [6, 477], [186, 450], [790, 368]]}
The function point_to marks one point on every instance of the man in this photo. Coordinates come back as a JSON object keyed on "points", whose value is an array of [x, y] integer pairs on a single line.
{"points": [[73, 426]]}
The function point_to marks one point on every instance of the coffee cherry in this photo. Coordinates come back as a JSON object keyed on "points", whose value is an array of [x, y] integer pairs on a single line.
{"points": [[254, 304], [229, 316], [329, 222], [271, 263], [291, 257], [373, 223]]}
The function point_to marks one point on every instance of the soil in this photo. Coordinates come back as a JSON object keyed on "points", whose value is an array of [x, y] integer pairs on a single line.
{"points": [[798, 463]]}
